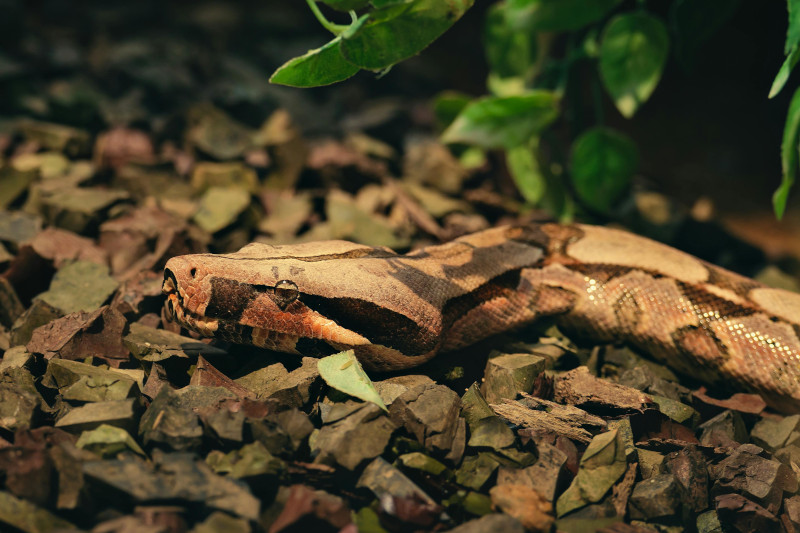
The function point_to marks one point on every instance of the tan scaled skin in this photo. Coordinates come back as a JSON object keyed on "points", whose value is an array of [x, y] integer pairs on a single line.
{"points": [[398, 311]]}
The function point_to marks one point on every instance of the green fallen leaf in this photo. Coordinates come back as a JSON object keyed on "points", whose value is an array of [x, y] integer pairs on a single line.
{"points": [[22, 515], [220, 207], [108, 441], [79, 286], [602, 464], [343, 372]]}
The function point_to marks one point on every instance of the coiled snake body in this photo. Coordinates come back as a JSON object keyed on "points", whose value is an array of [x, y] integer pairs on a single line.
{"points": [[398, 311]]}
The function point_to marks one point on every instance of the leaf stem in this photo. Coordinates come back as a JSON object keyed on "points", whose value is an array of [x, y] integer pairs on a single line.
{"points": [[335, 29]]}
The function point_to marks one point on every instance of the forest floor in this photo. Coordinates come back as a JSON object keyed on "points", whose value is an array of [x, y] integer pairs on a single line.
{"points": [[120, 152]]}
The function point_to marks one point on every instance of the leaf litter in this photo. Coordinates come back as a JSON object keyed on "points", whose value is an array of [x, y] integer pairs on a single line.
{"points": [[113, 419]]}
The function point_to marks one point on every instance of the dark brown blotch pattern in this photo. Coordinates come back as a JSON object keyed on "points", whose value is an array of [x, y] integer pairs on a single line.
{"points": [[230, 298], [503, 286], [377, 323]]}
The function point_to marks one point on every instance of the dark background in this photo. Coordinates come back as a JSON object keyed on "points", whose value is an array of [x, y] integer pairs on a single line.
{"points": [[706, 132]]}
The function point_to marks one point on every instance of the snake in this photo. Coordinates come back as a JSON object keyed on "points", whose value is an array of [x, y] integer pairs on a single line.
{"points": [[397, 311]]}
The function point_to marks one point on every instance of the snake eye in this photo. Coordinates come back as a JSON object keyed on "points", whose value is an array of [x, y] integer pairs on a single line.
{"points": [[286, 292]]}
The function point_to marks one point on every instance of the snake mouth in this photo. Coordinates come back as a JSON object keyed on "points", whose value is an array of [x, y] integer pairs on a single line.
{"points": [[230, 330], [170, 289]]}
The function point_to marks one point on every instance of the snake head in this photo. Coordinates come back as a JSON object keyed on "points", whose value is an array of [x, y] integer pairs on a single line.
{"points": [[311, 299]]}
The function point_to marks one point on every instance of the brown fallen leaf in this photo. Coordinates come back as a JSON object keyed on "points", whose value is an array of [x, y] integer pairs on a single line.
{"points": [[580, 388], [119, 146], [36, 262], [744, 403], [525, 504], [325, 511], [206, 375], [77, 335]]}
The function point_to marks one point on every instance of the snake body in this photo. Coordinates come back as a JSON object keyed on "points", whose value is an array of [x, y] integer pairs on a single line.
{"points": [[398, 311]]}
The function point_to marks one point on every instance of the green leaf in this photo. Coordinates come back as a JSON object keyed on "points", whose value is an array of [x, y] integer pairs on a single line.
{"points": [[694, 22], [382, 42], [783, 74], [603, 164], [389, 11], [343, 372], [791, 49], [602, 464], [346, 5], [793, 31], [632, 55], [525, 171], [107, 441], [448, 105], [380, 4], [322, 66], [504, 122], [505, 86], [558, 15], [510, 52], [789, 155]]}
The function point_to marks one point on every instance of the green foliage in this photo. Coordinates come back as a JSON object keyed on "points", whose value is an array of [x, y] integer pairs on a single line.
{"points": [[632, 56], [346, 5], [791, 131], [535, 50], [603, 164], [503, 121], [793, 33], [448, 105], [525, 171], [509, 52], [627, 53], [783, 74], [392, 35], [322, 66], [391, 31], [557, 15], [789, 155]]}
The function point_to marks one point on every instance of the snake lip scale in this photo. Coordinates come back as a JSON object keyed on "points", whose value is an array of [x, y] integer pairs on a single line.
{"points": [[398, 311]]}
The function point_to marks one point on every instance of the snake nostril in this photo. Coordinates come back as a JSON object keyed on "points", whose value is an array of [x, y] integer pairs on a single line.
{"points": [[193, 272]]}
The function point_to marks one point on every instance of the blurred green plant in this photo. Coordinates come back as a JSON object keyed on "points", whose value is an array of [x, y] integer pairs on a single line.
{"points": [[387, 32], [791, 132], [538, 52]]}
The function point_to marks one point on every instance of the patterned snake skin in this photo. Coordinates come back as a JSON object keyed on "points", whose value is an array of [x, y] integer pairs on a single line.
{"points": [[397, 311]]}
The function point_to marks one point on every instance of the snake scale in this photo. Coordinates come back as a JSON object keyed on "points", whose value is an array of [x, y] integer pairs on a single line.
{"points": [[398, 311]]}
